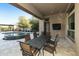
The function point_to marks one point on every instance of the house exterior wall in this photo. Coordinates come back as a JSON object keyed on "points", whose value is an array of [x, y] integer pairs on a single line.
{"points": [[58, 18], [77, 27]]}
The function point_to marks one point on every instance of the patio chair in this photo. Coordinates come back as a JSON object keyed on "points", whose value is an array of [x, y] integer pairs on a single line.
{"points": [[27, 37], [35, 35], [27, 50], [52, 42], [51, 47]]}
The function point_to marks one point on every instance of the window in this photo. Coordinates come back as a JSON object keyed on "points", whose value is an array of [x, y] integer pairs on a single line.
{"points": [[71, 22], [71, 27]]}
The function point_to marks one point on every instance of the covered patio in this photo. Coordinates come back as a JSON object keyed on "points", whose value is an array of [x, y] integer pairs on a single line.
{"points": [[50, 14], [12, 48]]}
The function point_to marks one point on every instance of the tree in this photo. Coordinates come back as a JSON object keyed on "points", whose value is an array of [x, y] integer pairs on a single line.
{"points": [[0, 28], [10, 28], [35, 24], [24, 22], [4, 28]]}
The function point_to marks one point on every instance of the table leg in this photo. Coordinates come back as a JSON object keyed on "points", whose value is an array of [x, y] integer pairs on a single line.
{"points": [[39, 53], [43, 51]]}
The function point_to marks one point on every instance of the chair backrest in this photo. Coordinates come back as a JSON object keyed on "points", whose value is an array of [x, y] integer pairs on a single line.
{"points": [[56, 37], [35, 35], [56, 40], [25, 48], [48, 34], [27, 37]]}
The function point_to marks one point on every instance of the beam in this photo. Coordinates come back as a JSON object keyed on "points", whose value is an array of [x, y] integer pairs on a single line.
{"points": [[28, 8], [68, 7]]}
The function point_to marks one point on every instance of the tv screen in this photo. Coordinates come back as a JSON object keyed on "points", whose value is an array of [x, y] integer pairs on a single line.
{"points": [[56, 26]]}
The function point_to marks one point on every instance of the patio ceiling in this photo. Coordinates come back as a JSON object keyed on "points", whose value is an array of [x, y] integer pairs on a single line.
{"points": [[47, 9], [43, 10]]}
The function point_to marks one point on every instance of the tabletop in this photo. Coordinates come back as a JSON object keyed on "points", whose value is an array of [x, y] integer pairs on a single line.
{"points": [[37, 42]]}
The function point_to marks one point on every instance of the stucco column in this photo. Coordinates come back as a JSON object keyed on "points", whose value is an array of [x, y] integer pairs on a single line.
{"points": [[77, 27], [41, 26]]}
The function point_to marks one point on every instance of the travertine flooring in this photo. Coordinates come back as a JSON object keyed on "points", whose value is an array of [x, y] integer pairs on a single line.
{"points": [[11, 48], [64, 48]]}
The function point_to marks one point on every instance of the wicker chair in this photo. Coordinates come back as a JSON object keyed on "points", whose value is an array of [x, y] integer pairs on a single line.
{"points": [[27, 50]]}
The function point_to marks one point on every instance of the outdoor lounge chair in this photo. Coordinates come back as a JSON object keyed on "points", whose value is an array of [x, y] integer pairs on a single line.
{"points": [[27, 50]]}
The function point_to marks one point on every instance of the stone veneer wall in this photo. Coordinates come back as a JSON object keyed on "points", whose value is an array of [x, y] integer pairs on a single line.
{"points": [[58, 18]]}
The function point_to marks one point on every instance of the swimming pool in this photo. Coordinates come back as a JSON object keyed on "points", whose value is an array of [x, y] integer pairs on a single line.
{"points": [[15, 35]]}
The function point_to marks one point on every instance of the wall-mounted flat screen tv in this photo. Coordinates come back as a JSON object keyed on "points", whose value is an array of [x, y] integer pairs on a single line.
{"points": [[56, 26]]}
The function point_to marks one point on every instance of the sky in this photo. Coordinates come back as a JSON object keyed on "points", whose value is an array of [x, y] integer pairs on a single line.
{"points": [[10, 14]]}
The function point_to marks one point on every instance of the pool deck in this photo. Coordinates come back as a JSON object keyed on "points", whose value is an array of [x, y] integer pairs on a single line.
{"points": [[9, 47]]}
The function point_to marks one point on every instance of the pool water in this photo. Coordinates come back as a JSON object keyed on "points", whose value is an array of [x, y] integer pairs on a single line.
{"points": [[16, 35]]}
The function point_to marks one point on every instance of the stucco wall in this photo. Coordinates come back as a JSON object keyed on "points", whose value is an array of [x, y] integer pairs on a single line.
{"points": [[58, 18], [77, 27]]}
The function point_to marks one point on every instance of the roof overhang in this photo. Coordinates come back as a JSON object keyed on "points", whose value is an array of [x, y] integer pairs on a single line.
{"points": [[42, 10]]}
